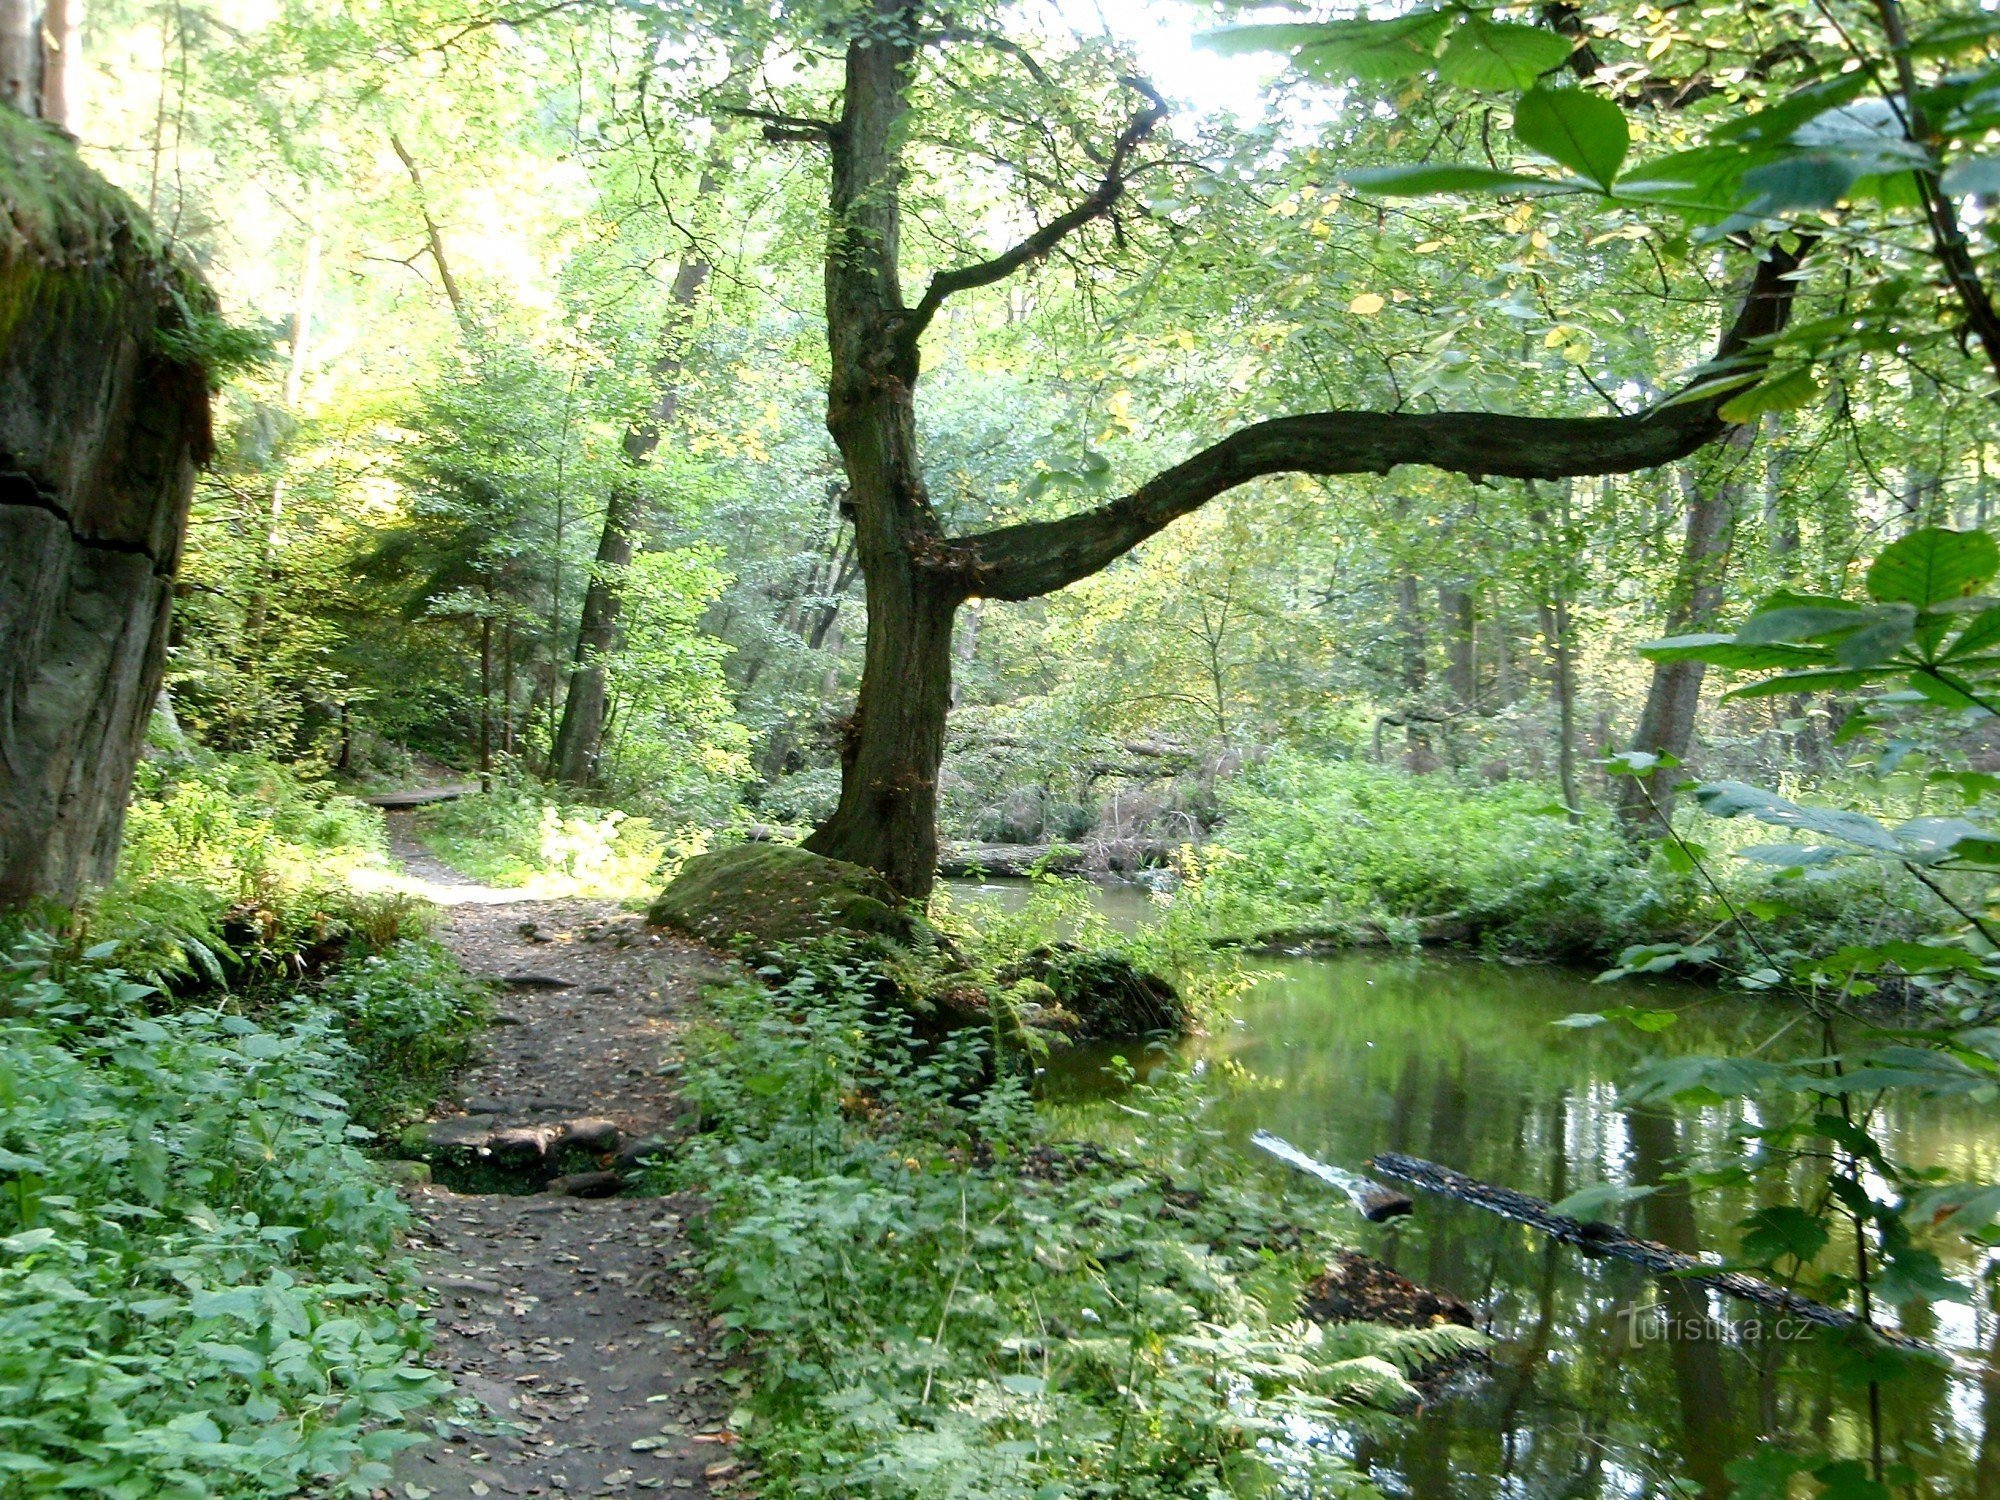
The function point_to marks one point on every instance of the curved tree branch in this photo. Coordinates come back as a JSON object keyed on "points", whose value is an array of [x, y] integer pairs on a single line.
{"points": [[1039, 557], [1100, 201]]}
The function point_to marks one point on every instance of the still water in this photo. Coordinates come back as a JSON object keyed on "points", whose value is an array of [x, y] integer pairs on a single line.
{"points": [[1605, 1382]]}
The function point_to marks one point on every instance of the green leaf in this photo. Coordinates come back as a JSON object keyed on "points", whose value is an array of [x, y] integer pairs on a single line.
{"points": [[1801, 180], [1765, 1474], [1782, 1231], [1973, 174], [1799, 622], [1586, 1203], [1777, 121], [1955, 35], [1735, 799], [1982, 633], [1781, 391], [1912, 1275], [1371, 51], [1825, 680], [1703, 185], [1886, 633], [1500, 55], [1285, 36], [1376, 51], [1422, 182], [1933, 565], [1728, 652], [1585, 132]]}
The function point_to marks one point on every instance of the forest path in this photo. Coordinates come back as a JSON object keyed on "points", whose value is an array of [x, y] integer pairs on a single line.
{"points": [[571, 1322]]}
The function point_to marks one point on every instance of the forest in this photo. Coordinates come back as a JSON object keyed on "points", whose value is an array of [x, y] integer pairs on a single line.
{"points": [[1016, 749]]}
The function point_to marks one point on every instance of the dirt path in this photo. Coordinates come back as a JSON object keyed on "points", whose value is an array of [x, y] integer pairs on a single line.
{"points": [[567, 1321]]}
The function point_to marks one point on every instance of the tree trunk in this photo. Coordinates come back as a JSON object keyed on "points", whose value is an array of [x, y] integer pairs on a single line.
{"points": [[1562, 687], [20, 57], [1553, 611], [579, 741], [894, 745], [1460, 626], [486, 699], [58, 44], [887, 815], [1666, 723]]}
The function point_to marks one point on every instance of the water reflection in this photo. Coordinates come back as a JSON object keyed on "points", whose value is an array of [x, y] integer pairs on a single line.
{"points": [[1608, 1382]]}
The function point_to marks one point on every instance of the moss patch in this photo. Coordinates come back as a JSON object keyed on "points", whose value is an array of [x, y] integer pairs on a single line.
{"points": [[773, 894], [69, 239]]}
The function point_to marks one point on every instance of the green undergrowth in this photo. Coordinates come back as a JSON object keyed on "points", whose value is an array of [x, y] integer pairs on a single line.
{"points": [[525, 835], [935, 1296], [1341, 850], [236, 871], [411, 1018], [200, 1290]]}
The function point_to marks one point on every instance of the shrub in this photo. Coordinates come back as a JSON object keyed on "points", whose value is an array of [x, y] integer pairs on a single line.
{"points": [[412, 1017], [199, 1294], [235, 868], [940, 1299], [1342, 848]]}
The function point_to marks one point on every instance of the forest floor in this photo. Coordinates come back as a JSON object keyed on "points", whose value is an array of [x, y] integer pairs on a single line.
{"points": [[585, 1364]]}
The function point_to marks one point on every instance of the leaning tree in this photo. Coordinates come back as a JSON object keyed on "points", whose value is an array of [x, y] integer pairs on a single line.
{"points": [[916, 574]]}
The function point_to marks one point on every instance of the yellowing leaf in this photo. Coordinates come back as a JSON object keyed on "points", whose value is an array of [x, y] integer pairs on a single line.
{"points": [[1366, 305]]}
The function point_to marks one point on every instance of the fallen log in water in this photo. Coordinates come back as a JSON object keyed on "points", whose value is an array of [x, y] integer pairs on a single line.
{"points": [[1374, 1201], [1594, 1237]]}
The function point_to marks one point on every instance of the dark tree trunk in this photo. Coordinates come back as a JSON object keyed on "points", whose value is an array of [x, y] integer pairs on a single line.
{"points": [[579, 743], [887, 815], [916, 576], [486, 699], [1666, 723], [1562, 688], [580, 737], [1461, 662]]}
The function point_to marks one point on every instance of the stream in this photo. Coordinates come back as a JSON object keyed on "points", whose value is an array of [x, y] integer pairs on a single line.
{"points": [[1604, 1382]]}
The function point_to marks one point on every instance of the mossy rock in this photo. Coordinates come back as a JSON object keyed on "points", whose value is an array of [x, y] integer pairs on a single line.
{"points": [[1108, 995], [768, 895]]}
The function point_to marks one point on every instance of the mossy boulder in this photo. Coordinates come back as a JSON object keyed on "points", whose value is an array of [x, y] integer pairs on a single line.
{"points": [[769, 895], [104, 417], [1108, 994]]}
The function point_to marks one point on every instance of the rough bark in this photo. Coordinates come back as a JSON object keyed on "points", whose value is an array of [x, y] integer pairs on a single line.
{"points": [[20, 59], [916, 576], [1461, 625], [102, 425], [580, 740], [56, 50], [1666, 722]]}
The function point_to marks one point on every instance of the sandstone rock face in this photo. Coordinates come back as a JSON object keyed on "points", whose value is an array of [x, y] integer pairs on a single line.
{"points": [[104, 418]]}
